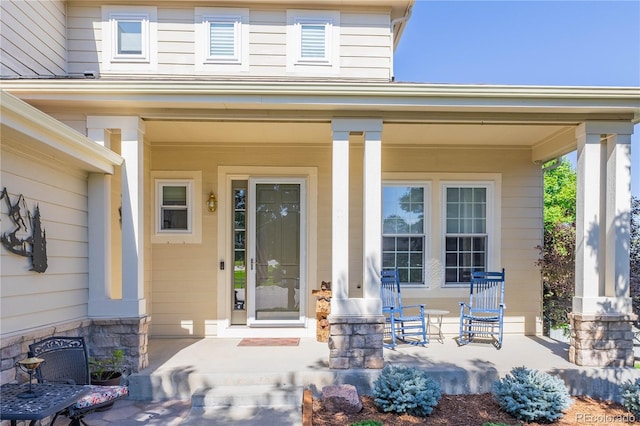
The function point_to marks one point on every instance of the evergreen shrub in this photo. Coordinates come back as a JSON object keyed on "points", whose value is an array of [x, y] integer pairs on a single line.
{"points": [[631, 397], [531, 395], [401, 389]]}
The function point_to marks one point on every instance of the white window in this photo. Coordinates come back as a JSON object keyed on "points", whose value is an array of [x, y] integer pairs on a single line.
{"points": [[129, 38], [467, 230], [222, 39], [313, 41], [178, 207], [404, 236]]}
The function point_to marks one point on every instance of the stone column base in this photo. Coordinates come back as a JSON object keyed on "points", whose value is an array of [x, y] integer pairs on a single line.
{"points": [[129, 334], [356, 342], [601, 340]]}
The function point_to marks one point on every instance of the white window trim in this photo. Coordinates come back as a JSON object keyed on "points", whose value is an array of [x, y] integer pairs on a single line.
{"points": [[193, 180], [207, 64], [492, 223], [148, 59], [428, 236], [435, 286], [330, 64]]}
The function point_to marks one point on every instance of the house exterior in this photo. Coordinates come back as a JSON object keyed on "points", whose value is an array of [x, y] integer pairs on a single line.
{"points": [[200, 168]]}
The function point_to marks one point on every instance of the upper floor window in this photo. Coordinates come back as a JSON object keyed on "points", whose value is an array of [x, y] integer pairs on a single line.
{"points": [[313, 41], [129, 38], [222, 39]]}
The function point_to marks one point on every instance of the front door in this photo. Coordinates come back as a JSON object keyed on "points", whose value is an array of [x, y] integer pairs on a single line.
{"points": [[276, 267]]}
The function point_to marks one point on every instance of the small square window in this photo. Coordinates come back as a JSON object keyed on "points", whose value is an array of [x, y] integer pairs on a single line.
{"points": [[313, 41], [222, 39], [178, 207], [129, 41]]}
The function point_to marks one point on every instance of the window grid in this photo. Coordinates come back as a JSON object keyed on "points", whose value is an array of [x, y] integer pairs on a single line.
{"points": [[466, 233], [403, 235]]}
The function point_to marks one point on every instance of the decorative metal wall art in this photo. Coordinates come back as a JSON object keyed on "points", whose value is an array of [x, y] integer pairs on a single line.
{"points": [[28, 238]]}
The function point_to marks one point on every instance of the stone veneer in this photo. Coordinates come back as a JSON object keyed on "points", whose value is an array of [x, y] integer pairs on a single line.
{"points": [[101, 335], [356, 342], [601, 340]]}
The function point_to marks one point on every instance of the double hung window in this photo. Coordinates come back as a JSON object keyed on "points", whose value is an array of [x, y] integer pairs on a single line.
{"points": [[466, 232], [404, 237], [178, 207]]}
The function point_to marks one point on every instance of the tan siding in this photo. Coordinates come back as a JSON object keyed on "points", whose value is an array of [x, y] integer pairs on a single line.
{"points": [[60, 294], [33, 38], [84, 36], [364, 43]]}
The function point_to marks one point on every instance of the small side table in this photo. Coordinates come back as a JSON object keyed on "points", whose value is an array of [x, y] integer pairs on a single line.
{"points": [[434, 319]]}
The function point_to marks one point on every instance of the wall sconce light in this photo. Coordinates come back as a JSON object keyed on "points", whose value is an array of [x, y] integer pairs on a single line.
{"points": [[212, 202]]}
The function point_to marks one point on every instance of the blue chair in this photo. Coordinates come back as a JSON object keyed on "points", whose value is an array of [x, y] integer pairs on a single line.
{"points": [[482, 319], [400, 325]]}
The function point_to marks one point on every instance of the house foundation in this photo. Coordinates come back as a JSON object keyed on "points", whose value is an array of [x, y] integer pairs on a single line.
{"points": [[356, 342], [102, 336], [601, 340]]}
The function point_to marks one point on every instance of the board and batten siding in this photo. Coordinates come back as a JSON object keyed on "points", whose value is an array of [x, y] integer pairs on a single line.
{"points": [[365, 44], [31, 299], [33, 38]]}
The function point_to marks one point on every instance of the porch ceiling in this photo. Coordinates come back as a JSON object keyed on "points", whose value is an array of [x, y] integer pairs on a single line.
{"points": [[272, 132]]}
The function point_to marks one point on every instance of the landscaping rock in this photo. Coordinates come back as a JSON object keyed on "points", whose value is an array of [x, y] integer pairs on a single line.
{"points": [[343, 398]]}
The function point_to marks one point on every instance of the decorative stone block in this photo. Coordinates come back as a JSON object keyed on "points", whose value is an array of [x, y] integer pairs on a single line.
{"points": [[341, 398]]}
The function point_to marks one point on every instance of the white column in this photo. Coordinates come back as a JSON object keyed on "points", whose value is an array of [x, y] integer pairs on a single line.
{"points": [[340, 217], [132, 303], [132, 150], [602, 218], [372, 214], [618, 220], [341, 304]]}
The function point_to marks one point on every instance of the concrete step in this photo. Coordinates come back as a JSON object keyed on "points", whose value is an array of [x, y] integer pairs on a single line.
{"points": [[250, 405]]}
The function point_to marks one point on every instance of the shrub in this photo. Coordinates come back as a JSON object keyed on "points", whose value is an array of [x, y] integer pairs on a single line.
{"points": [[408, 390], [531, 395], [367, 423], [631, 397]]}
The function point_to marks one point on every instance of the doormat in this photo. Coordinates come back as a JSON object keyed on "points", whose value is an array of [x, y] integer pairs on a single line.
{"points": [[262, 341]]}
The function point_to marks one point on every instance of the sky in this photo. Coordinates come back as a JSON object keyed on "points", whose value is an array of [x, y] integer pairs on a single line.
{"points": [[551, 43]]}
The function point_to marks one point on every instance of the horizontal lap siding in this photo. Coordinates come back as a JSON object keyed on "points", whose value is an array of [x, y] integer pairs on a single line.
{"points": [[32, 39], [31, 299], [365, 46], [365, 43], [84, 38], [267, 43]]}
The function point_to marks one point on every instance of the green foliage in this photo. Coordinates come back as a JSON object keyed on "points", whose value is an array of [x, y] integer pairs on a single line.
{"points": [[531, 395], [557, 266], [367, 423], [634, 255], [107, 368], [401, 389], [631, 397], [560, 194]]}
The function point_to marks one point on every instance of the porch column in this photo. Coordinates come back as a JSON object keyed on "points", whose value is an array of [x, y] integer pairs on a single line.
{"points": [[99, 230], [602, 310], [356, 324], [132, 303]]}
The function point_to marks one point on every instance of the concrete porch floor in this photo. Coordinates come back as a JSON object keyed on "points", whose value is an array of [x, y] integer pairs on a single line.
{"points": [[214, 375]]}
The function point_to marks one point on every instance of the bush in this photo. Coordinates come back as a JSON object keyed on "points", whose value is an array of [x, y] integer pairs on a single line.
{"points": [[408, 390], [631, 397], [532, 396], [367, 423]]}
